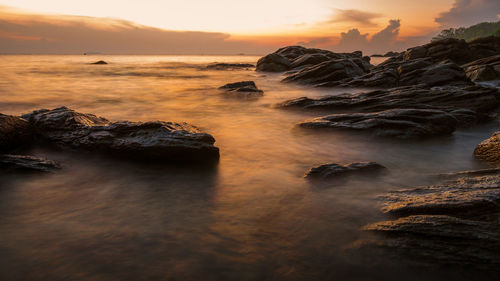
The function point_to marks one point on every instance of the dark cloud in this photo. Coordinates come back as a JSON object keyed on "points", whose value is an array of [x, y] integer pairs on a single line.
{"points": [[355, 16], [387, 35], [469, 12]]}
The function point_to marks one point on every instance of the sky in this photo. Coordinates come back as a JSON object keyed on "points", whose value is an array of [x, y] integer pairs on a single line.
{"points": [[229, 26]]}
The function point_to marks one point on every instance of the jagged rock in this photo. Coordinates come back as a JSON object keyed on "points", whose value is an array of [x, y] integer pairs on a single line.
{"points": [[328, 171], [100, 62], [226, 66], [468, 105], [273, 63], [456, 50], [485, 69], [309, 59], [455, 222], [391, 54], [328, 71], [155, 141], [27, 163], [485, 47], [14, 132], [489, 150], [244, 87], [401, 123]]}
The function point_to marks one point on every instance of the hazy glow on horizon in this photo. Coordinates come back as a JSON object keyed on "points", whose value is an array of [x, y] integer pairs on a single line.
{"points": [[244, 17]]}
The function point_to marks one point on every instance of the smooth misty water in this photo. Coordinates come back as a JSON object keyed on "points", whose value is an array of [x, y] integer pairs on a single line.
{"points": [[253, 217]]}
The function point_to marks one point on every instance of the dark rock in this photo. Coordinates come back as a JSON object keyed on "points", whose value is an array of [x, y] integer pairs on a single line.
{"points": [[456, 50], [309, 59], [485, 47], [445, 73], [27, 163], [489, 150], [152, 141], [451, 223], [100, 62], [391, 54], [14, 132], [401, 123], [244, 87], [485, 69], [468, 105], [328, 171], [332, 70], [273, 63], [229, 66]]}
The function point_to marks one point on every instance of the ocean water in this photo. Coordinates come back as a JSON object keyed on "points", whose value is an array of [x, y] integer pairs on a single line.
{"points": [[252, 217]]}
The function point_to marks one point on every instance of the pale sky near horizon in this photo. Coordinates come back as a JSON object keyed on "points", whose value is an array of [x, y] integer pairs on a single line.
{"points": [[230, 26]]}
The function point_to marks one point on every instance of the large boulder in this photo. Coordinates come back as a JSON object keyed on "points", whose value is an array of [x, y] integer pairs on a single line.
{"points": [[485, 47], [152, 141], [489, 150], [273, 63], [456, 50], [400, 123], [14, 131], [328, 71]]}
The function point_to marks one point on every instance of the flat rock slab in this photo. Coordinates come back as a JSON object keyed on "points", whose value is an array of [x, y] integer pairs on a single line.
{"points": [[330, 171], [27, 163], [151, 141], [456, 222], [489, 150], [401, 123]]}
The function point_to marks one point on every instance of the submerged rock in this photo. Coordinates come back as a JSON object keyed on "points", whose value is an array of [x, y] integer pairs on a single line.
{"points": [[401, 123], [154, 141], [226, 66], [328, 171], [100, 62], [489, 150], [27, 163], [244, 87], [14, 131]]}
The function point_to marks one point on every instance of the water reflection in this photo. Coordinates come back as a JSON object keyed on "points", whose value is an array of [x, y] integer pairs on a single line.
{"points": [[253, 217]]}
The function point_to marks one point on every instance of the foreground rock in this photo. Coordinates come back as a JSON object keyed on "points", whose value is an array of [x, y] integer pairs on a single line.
{"points": [[248, 88], [25, 163], [152, 141], [401, 123], [329, 171], [229, 66], [486, 69], [14, 132], [451, 223], [489, 150], [100, 62]]}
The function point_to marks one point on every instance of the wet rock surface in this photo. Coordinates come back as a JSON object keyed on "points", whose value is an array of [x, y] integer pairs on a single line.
{"points": [[456, 222], [247, 88], [152, 141], [14, 131], [329, 171], [486, 69], [489, 150], [24, 163], [229, 66], [401, 123]]}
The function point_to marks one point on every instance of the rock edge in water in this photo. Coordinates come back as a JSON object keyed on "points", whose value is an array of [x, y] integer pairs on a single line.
{"points": [[333, 170]]}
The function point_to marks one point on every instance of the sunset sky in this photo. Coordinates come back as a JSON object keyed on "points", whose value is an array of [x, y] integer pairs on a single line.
{"points": [[229, 26]]}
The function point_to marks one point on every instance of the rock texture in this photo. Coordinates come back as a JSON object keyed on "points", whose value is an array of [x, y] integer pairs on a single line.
{"points": [[451, 223], [401, 123], [14, 132], [329, 171], [152, 141], [27, 164], [489, 150], [486, 69]]}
